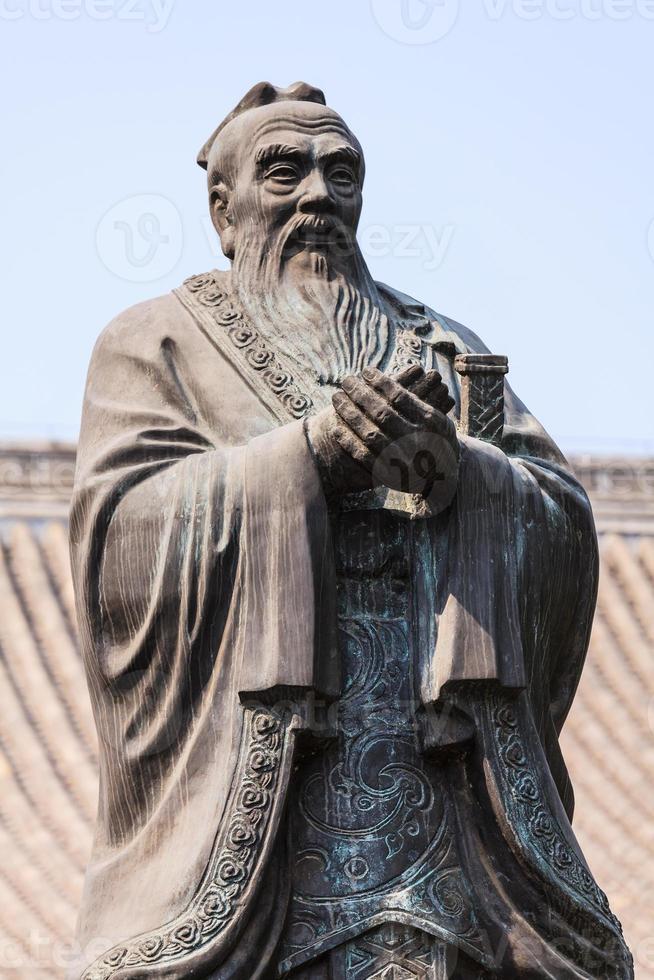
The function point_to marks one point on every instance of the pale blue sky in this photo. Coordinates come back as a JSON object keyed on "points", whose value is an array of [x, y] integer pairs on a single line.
{"points": [[509, 184]]}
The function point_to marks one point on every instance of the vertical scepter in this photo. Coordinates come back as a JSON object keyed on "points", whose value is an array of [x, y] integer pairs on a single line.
{"points": [[482, 395]]}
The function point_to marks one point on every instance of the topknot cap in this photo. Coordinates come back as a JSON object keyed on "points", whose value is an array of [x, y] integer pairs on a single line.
{"points": [[263, 93]]}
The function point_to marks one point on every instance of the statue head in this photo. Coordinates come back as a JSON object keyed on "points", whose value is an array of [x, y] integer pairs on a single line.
{"points": [[283, 163], [285, 178]]}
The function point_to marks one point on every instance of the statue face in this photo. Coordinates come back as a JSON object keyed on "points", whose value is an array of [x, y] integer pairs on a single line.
{"points": [[285, 189], [296, 174]]}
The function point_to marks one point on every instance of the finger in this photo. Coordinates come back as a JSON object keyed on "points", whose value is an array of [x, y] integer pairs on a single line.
{"points": [[437, 396], [409, 376], [352, 445], [377, 407], [369, 433], [407, 404], [423, 385], [432, 389], [446, 404], [441, 399]]}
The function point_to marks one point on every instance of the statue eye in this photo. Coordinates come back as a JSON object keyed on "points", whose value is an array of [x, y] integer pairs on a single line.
{"points": [[282, 171], [342, 175]]}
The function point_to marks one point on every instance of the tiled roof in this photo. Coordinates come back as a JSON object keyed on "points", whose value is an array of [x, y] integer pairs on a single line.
{"points": [[48, 782], [608, 741], [47, 739]]}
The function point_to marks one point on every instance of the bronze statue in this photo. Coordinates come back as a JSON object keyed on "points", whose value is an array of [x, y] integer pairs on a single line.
{"points": [[335, 585]]}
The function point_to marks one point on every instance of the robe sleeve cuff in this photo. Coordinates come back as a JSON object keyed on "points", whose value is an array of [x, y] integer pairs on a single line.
{"points": [[288, 593]]}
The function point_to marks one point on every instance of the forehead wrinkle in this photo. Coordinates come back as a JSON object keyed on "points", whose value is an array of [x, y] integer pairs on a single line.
{"points": [[350, 149], [230, 154], [326, 124]]}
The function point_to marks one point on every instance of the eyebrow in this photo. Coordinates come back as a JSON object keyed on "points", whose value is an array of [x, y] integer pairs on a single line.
{"points": [[276, 151], [272, 152], [344, 154]]}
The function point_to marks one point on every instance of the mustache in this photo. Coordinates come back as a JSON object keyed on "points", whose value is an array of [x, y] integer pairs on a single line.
{"points": [[262, 255], [321, 230]]}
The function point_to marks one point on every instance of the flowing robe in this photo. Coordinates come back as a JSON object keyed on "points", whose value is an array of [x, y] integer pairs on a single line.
{"points": [[203, 560]]}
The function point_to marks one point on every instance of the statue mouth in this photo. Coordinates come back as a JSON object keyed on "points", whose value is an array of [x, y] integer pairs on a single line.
{"points": [[319, 233], [312, 239]]}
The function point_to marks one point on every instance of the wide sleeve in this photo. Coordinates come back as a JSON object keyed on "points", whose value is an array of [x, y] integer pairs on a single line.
{"points": [[516, 597], [203, 569], [560, 564]]}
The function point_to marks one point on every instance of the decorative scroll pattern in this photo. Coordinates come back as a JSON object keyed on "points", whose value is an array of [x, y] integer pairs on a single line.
{"points": [[408, 350], [380, 801], [256, 355], [232, 863], [370, 822], [532, 814]]}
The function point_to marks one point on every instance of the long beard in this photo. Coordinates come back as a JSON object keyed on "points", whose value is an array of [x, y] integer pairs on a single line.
{"points": [[326, 316]]}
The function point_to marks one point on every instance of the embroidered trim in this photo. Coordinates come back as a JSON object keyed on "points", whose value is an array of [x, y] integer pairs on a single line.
{"points": [[213, 305], [543, 828], [539, 826], [408, 350], [238, 848], [209, 299], [573, 892]]}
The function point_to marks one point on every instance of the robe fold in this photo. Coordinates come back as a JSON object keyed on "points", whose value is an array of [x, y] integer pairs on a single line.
{"points": [[203, 560]]}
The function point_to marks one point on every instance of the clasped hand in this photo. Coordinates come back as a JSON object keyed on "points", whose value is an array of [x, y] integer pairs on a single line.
{"points": [[388, 430]]}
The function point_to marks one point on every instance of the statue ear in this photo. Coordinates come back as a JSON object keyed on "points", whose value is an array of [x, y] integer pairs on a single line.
{"points": [[221, 217]]}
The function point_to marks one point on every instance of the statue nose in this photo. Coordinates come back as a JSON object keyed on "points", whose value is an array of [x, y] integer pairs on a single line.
{"points": [[315, 196]]}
